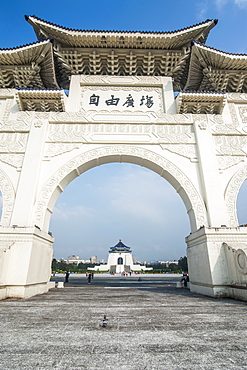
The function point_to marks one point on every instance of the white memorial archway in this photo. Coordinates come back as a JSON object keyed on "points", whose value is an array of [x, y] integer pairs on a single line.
{"points": [[121, 108]]}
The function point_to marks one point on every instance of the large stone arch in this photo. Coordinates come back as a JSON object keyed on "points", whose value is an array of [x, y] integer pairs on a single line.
{"points": [[8, 195], [119, 153], [231, 194]]}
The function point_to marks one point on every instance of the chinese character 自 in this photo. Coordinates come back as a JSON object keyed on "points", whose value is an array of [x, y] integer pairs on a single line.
{"points": [[94, 99]]}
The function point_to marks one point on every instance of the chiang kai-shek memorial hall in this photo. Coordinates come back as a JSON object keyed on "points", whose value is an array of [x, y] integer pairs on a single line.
{"points": [[120, 260], [76, 99]]}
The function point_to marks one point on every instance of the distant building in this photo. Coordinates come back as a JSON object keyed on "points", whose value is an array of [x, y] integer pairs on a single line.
{"points": [[93, 259], [167, 263], [76, 259], [120, 260]]}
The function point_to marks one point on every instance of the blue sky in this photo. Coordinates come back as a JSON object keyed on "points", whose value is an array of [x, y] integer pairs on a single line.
{"points": [[122, 200]]}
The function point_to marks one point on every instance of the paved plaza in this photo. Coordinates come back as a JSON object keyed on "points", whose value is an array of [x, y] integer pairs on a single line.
{"points": [[151, 324]]}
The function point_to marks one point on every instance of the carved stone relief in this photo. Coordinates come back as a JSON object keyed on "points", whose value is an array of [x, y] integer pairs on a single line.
{"points": [[241, 261], [175, 134], [21, 123], [187, 151], [231, 145], [243, 115], [91, 116], [91, 79], [14, 160], [225, 162], [67, 137], [175, 118], [236, 97], [68, 133], [6, 113], [67, 117], [8, 93], [201, 121], [81, 132], [53, 150], [47, 191], [13, 142], [228, 126], [8, 194]]}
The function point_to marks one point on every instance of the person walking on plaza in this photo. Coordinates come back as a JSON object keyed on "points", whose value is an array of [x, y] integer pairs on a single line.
{"points": [[89, 278], [67, 277]]}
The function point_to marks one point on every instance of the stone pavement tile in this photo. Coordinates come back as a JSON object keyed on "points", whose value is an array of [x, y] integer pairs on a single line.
{"points": [[150, 326]]}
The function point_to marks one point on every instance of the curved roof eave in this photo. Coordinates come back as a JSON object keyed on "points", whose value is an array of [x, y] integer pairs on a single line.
{"points": [[210, 49], [204, 57], [46, 29], [39, 43], [40, 53]]}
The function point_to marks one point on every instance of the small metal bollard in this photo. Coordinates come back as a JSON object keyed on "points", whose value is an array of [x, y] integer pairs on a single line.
{"points": [[104, 322], [60, 284]]}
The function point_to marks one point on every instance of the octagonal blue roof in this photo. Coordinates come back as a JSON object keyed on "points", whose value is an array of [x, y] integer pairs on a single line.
{"points": [[120, 247]]}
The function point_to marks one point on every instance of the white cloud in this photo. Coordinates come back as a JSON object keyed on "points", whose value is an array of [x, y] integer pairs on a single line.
{"points": [[67, 212], [202, 8], [239, 3]]}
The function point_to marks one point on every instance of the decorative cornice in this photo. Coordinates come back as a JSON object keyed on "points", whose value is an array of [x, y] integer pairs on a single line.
{"points": [[198, 102], [41, 100]]}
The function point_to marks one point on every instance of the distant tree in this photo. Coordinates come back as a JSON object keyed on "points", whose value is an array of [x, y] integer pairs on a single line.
{"points": [[62, 265], [54, 264], [182, 263], [84, 266], [173, 267]]}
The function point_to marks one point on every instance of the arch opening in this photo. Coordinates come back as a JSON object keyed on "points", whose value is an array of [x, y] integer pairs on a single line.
{"points": [[145, 158], [120, 201], [241, 204]]}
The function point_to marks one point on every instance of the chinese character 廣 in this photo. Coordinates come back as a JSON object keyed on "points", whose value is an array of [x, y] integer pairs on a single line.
{"points": [[129, 101]]}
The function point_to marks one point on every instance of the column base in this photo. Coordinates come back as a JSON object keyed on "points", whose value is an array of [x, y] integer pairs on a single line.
{"points": [[25, 262], [217, 261], [25, 291]]}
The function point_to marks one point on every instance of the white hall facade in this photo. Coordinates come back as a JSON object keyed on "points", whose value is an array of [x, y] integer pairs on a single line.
{"points": [[121, 107], [120, 260]]}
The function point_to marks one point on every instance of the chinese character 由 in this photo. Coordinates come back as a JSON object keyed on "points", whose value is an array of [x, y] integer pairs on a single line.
{"points": [[112, 101]]}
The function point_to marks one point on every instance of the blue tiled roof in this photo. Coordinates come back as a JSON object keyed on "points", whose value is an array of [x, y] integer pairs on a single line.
{"points": [[120, 247]]}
